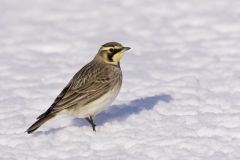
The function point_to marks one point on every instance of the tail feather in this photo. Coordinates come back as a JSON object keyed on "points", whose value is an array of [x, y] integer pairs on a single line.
{"points": [[44, 114], [39, 122]]}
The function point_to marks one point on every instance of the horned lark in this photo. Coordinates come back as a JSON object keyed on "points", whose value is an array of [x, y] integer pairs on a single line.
{"points": [[92, 89]]}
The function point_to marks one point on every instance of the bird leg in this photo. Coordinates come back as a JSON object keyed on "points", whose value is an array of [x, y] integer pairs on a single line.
{"points": [[90, 120]]}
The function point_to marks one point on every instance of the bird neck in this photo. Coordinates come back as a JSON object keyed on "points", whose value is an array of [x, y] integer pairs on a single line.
{"points": [[102, 60]]}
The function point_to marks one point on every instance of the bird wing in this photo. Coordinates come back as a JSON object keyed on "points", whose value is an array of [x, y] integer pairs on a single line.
{"points": [[86, 86]]}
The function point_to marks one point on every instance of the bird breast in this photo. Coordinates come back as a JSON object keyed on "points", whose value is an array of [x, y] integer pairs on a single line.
{"points": [[97, 106]]}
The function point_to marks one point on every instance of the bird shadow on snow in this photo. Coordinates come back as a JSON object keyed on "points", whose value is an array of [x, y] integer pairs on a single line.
{"points": [[122, 111], [50, 131], [116, 112]]}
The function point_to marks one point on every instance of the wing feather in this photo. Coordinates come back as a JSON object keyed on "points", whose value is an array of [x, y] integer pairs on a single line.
{"points": [[86, 86]]}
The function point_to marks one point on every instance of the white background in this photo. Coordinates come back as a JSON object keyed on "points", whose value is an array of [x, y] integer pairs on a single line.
{"points": [[181, 91]]}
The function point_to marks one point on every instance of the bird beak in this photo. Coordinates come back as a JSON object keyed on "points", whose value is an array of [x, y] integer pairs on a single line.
{"points": [[126, 48]]}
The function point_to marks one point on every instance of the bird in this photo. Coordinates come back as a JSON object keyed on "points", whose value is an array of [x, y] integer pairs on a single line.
{"points": [[91, 90]]}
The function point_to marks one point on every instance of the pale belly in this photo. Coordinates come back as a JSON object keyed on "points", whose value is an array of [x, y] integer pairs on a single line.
{"points": [[97, 106]]}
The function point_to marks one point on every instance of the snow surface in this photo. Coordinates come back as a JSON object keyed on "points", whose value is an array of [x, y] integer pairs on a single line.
{"points": [[180, 98]]}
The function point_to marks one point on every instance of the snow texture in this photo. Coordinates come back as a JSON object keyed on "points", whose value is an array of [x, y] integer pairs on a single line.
{"points": [[180, 94]]}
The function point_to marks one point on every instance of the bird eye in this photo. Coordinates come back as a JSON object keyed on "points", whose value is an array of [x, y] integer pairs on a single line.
{"points": [[111, 49]]}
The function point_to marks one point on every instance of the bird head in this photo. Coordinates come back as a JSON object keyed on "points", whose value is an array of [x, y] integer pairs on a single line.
{"points": [[111, 52]]}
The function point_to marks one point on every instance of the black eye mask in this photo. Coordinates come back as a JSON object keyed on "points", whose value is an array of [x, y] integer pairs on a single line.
{"points": [[112, 53]]}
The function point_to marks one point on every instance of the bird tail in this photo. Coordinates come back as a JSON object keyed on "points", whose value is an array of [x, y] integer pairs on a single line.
{"points": [[40, 122]]}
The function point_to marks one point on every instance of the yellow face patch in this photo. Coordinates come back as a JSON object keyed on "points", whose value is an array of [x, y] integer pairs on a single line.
{"points": [[113, 58], [117, 57], [112, 54]]}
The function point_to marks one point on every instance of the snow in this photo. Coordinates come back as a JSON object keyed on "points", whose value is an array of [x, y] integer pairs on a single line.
{"points": [[180, 94]]}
